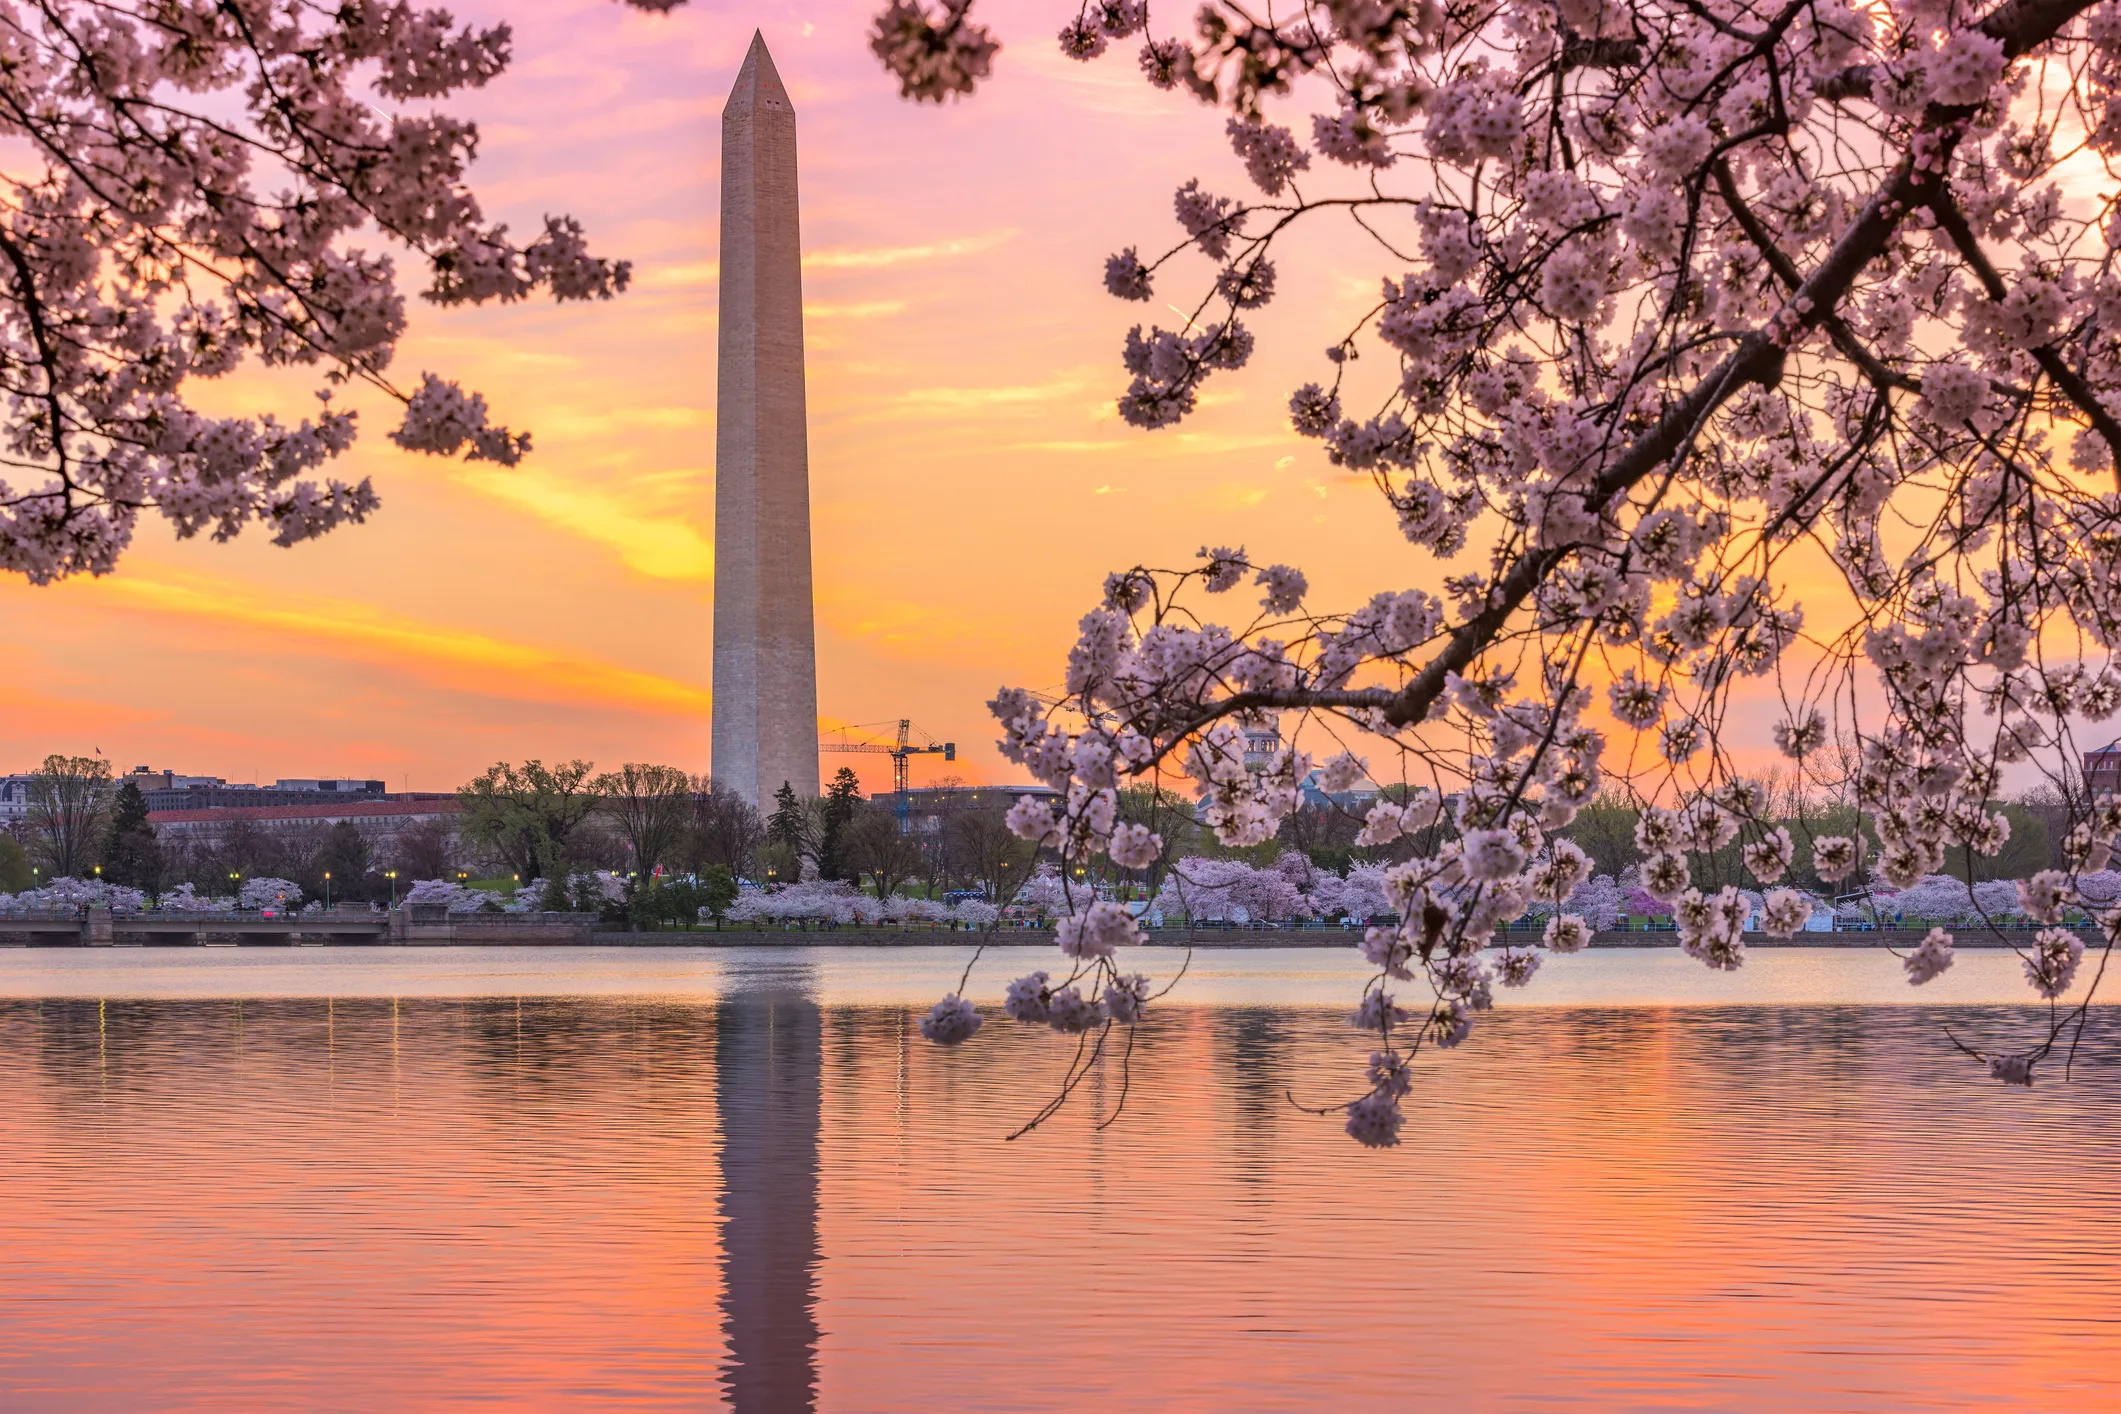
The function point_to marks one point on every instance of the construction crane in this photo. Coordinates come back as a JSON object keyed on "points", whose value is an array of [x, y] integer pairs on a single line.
{"points": [[898, 751]]}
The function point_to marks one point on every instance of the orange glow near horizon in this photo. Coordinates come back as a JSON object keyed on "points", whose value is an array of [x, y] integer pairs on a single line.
{"points": [[971, 482]]}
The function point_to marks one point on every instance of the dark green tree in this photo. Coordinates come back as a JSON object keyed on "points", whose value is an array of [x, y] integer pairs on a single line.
{"points": [[2026, 853], [717, 890], [779, 864], [132, 856], [14, 866], [787, 825], [570, 887], [842, 799], [1605, 830], [587, 897], [525, 815], [672, 902], [346, 858], [552, 894], [1835, 819]]}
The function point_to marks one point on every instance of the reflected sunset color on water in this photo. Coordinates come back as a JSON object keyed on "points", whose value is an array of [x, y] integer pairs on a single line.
{"points": [[766, 1191]]}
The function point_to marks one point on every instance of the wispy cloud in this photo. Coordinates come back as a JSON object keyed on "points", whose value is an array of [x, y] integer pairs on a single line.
{"points": [[659, 545], [868, 309], [901, 631], [1065, 446], [694, 274], [1157, 445], [883, 257], [464, 660], [918, 401], [581, 422], [686, 275]]}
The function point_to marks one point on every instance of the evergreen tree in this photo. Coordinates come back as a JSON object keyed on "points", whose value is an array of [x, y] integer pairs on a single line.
{"points": [[132, 856], [786, 825], [345, 857], [842, 799], [717, 890], [15, 874], [552, 891]]}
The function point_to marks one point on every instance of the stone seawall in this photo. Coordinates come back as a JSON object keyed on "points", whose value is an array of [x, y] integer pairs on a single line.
{"points": [[566, 930], [1225, 938]]}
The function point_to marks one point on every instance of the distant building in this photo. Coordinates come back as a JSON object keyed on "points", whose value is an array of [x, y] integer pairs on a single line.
{"points": [[170, 790], [187, 802], [380, 816], [1356, 801], [148, 780], [927, 807], [219, 795], [2102, 771], [14, 800], [1261, 744]]}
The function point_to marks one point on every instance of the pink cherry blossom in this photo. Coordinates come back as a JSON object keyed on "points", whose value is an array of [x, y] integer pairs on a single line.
{"points": [[951, 1021], [197, 187], [1646, 319], [1931, 957]]}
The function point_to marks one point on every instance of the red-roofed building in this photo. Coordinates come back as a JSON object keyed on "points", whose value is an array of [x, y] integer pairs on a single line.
{"points": [[2102, 771], [382, 817]]}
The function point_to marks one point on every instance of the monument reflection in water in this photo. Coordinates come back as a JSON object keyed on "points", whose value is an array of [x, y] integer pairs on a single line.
{"points": [[769, 1082], [759, 1202]]}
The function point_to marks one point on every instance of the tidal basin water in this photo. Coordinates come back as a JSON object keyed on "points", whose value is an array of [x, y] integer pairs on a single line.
{"points": [[370, 1179]]}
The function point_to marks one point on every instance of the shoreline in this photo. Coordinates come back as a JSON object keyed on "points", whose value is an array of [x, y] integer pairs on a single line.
{"points": [[474, 937]]}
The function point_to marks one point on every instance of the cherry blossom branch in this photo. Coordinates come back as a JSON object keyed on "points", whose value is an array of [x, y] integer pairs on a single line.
{"points": [[1953, 220], [1657, 327]]}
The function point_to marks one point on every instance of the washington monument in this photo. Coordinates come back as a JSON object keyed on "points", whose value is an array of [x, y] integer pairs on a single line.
{"points": [[765, 647]]}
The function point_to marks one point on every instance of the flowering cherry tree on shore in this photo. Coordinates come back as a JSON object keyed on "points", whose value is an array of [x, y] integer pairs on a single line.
{"points": [[1678, 298], [1228, 890], [199, 182]]}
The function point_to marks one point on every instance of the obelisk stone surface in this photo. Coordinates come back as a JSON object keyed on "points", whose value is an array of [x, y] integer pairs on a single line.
{"points": [[765, 645]]}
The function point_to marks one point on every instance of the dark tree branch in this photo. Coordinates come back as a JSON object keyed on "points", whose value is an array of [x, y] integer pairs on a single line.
{"points": [[2051, 362], [1792, 278]]}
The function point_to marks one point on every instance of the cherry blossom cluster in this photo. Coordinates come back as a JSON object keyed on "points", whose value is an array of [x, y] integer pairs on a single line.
{"points": [[204, 181], [938, 56], [1681, 305], [838, 902], [72, 895], [69, 895]]}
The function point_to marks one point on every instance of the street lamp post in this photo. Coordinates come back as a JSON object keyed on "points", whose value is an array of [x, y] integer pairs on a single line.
{"points": [[392, 875], [327, 891]]}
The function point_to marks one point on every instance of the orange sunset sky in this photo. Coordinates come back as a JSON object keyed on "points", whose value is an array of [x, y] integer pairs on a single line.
{"points": [[971, 482]]}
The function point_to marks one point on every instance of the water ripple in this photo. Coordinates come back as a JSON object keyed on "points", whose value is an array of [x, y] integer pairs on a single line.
{"points": [[769, 1193]]}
